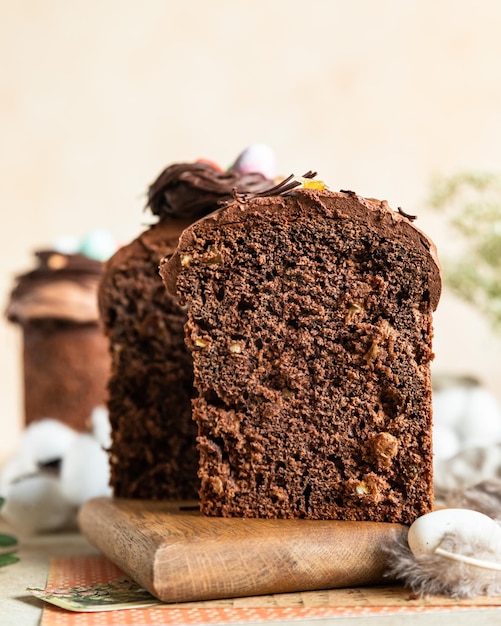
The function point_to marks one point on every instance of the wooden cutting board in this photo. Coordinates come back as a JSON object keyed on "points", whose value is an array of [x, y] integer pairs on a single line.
{"points": [[179, 555]]}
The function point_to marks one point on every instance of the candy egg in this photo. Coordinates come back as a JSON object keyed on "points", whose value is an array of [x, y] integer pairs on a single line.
{"points": [[66, 244], [257, 158], [427, 532], [99, 245]]}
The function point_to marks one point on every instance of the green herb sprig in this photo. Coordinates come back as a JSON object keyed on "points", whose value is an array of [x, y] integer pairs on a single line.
{"points": [[8, 546]]}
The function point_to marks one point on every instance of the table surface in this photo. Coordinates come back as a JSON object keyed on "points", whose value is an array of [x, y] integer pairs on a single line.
{"points": [[19, 608]]}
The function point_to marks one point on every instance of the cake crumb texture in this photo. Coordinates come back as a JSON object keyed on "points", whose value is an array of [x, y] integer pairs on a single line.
{"points": [[153, 454], [310, 326]]}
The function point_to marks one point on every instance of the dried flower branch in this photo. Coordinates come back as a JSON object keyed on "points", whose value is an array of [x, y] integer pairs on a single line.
{"points": [[472, 204]]}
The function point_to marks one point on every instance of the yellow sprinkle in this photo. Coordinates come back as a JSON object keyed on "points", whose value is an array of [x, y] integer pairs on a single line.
{"points": [[314, 184]]}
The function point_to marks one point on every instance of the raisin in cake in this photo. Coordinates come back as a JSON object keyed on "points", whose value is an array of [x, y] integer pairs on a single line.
{"points": [[65, 353], [310, 327], [153, 453]]}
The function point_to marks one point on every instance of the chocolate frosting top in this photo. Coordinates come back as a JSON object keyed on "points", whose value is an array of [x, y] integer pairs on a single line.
{"points": [[192, 190], [62, 286], [290, 201]]}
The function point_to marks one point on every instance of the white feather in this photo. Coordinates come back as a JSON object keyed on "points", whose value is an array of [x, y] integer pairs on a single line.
{"points": [[462, 562], [467, 468], [485, 497]]}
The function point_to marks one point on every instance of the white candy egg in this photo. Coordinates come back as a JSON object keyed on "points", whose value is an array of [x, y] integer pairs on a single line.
{"points": [[66, 244], [257, 158], [428, 531]]}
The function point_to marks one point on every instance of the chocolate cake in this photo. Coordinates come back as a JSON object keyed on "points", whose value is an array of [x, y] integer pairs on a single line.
{"points": [[310, 327], [65, 353], [153, 453]]}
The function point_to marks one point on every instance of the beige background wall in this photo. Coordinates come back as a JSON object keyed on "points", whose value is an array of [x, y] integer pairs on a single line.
{"points": [[378, 96]]}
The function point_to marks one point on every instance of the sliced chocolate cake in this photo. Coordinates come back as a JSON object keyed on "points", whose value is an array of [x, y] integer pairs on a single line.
{"points": [[310, 327], [153, 453]]}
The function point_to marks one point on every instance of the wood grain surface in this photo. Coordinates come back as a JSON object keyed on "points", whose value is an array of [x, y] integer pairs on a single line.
{"points": [[180, 555]]}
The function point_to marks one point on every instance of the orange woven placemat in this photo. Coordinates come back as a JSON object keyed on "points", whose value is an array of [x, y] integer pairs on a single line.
{"points": [[83, 572]]}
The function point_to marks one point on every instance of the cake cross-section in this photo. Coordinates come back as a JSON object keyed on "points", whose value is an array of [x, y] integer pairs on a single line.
{"points": [[309, 320]]}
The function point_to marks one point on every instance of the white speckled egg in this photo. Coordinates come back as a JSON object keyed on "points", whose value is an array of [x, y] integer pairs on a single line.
{"points": [[428, 531]]}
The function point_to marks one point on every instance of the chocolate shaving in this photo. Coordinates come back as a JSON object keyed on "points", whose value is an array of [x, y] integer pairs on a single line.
{"points": [[283, 188], [348, 191], [406, 215]]}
